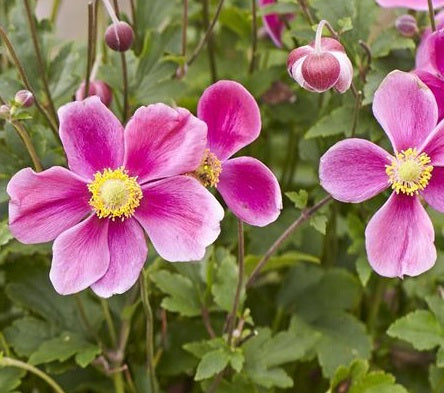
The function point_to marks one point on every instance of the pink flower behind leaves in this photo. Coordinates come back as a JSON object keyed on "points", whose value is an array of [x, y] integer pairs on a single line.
{"points": [[247, 186], [400, 237], [120, 184], [274, 23], [420, 5]]}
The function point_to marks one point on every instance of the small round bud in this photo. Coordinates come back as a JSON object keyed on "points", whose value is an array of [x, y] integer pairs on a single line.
{"points": [[321, 71], [406, 25], [119, 36], [5, 111], [96, 88], [24, 98]]}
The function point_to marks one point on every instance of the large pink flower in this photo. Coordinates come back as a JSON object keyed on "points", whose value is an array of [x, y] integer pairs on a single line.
{"points": [[120, 183], [420, 5], [248, 187], [400, 236], [274, 23]]}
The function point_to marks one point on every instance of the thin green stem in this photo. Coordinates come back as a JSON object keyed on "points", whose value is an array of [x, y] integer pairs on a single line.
{"points": [[25, 80], [376, 301], [184, 27], [85, 319], [55, 10], [9, 362], [306, 11], [119, 386], [304, 216], [207, 35], [432, 15], [231, 318], [253, 37], [90, 47], [40, 62], [109, 322], [24, 135], [149, 332], [358, 100]]}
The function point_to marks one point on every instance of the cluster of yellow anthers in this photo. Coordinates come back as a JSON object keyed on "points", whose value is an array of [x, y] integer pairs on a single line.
{"points": [[114, 194], [409, 172], [209, 170]]}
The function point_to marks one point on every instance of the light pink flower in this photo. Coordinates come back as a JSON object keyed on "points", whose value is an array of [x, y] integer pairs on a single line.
{"points": [[96, 88], [120, 183], [322, 65], [248, 187], [400, 236], [420, 5], [274, 23]]}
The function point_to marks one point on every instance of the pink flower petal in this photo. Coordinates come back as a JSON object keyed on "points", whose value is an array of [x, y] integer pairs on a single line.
{"points": [[45, 204], [250, 190], [406, 109], [161, 141], [436, 85], [420, 5], [400, 238], [273, 23], [232, 116], [434, 192], [433, 146], [346, 74], [128, 252], [180, 216], [353, 170], [80, 256], [92, 136]]}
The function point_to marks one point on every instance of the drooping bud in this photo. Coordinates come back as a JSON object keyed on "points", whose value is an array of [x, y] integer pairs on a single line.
{"points": [[96, 88], [119, 36], [322, 65], [24, 98], [5, 111], [406, 25]]}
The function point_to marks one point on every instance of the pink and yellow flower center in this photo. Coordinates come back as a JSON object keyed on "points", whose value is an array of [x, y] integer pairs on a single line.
{"points": [[209, 170], [409, 172], [114, 194]]}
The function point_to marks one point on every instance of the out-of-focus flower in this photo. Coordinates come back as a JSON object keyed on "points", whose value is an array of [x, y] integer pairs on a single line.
{"points": [[420, 5], [322, 65], [24, 98], [278, 93], [119, 36], [406, 25], [274, 23], [399, 238], [5, 111], [248, 187], [120, 183], [96, 88]]}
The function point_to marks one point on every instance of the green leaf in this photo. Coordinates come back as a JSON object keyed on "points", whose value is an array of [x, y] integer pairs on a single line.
{"points": [[63, 347], [420, 328], [299, 198], [364, 270], [319, 222], [211, 364], [278, 8], [5, 234], [390, 40], [338, 121], [10, 378], [182, 296]]}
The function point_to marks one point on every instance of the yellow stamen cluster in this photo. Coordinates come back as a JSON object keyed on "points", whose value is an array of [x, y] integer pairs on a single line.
{"points": [[114, 194], [209, 170], [409, 172]]}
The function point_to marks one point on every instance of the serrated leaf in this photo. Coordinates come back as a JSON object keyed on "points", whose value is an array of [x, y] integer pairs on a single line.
{"points": [[211, 364], [338, 121], [182, 296], [420, 328], [299, 198], [319, 222], [364, 270], [200, 348], [10, 378], [390, 40]]}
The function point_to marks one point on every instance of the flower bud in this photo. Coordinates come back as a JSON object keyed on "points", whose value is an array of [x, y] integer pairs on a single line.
{"points": [[24, 98], [406, 25], [321, 67], [96, 88], [119, 36], [5, 111]]}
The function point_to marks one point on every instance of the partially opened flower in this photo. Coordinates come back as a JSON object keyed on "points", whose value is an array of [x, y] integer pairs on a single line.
{"points": [[248, 187], [420, 5], [120, 183], [96, 88], [322, 65], [274, 23], [399, 238]]}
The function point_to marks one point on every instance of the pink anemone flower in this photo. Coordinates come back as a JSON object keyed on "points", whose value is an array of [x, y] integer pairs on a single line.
{"points": [[420, 5], [274, 23], [247, 186], [120, 183], [399, 238]]}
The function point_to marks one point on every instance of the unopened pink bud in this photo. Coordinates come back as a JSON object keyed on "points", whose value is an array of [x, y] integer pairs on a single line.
{"points": [[406, 25], [5, 111], [321, 71], [24, 98], [119, 36], [96, 88]]}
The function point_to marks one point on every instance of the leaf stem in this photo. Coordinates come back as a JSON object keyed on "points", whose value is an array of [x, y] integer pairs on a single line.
{"points": [[9, 362], [303, 217], [109, 321], [55, 11]]}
